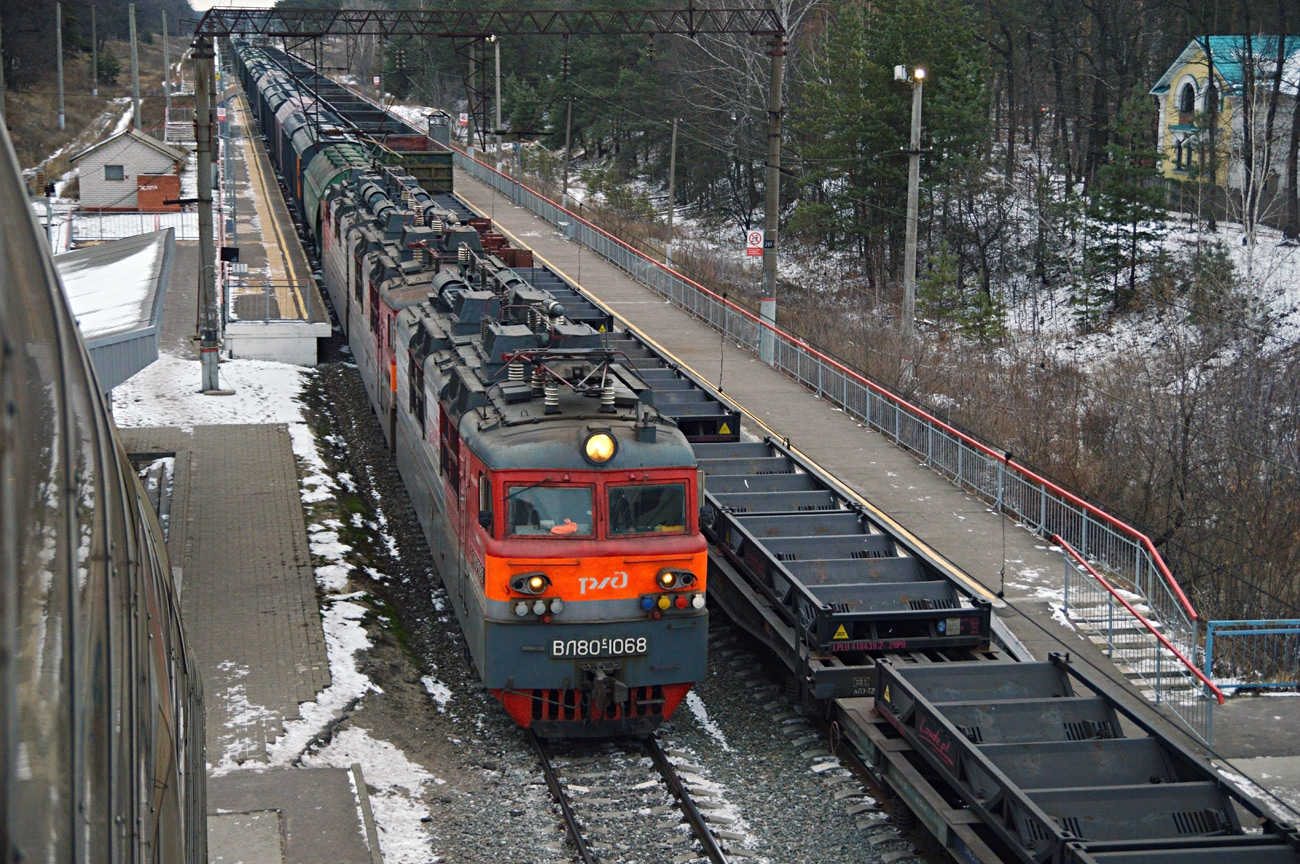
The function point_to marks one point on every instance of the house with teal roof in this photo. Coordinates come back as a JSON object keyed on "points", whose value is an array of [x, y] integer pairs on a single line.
{"points": [[1205, 86]]}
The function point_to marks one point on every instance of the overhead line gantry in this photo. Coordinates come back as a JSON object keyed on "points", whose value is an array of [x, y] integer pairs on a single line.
{"points": [[468, 30]]}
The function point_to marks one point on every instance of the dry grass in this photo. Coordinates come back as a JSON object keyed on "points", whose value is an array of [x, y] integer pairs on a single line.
{"points": [[32, 114]]}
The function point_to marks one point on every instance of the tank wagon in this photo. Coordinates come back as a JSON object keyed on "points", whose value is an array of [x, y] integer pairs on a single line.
{"points": [[101, 708]]}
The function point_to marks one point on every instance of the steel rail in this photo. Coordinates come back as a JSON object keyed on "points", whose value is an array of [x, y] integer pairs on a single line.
{"points": [[557, 792], [693, 815]]}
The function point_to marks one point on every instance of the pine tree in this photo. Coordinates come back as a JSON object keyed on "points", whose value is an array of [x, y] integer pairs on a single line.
{"points": [[938, 294], [1127, 207]]}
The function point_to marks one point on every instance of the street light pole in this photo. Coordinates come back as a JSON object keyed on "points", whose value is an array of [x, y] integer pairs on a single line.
{"points": [[203, 85], [135, 72], [58, 39], [496, 128], [913, 182], [767, 305], [672, 189]]}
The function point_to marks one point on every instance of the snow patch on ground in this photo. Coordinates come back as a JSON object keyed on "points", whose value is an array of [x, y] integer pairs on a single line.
{"points": [[440, 692], [696, 706], [166, 393], [396, 786]]}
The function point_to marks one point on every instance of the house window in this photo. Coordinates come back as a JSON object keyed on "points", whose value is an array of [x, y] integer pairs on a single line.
{"points": [[1187, 99], [114, 172]]}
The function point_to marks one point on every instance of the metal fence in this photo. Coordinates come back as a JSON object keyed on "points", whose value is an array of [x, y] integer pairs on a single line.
{"points": [[1253, 655], [97, 226], [1136, 645], [1042, 506], [266, 301]]}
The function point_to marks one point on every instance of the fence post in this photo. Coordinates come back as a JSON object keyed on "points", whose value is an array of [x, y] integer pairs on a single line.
{"points": [[1110, 625], [1209, 650], [1158, 671], [1066, 607]]}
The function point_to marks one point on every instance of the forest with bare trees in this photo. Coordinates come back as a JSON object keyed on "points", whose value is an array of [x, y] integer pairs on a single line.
{"points": [[1125, 334]]}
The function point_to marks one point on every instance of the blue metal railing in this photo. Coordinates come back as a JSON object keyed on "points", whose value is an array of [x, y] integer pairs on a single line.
{"points": [[1253, 655]]}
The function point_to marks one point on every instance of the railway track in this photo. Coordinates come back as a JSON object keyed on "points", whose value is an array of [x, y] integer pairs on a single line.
{"points": [[625, 800]]}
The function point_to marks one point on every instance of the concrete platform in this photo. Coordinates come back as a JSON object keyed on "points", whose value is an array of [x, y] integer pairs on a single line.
{"points": [[306, 803], [256, 837], [275, 310], [240, 554]]}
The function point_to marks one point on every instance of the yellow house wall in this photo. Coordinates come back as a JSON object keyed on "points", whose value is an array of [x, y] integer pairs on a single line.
{"points": [[1198, 69]]}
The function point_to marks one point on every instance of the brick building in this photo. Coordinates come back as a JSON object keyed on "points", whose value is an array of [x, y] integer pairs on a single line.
{"points": [[129, 171]]}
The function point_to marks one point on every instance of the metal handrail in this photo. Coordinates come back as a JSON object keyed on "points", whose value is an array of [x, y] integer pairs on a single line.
{"points": [[1289, 628], [1139, 617], [552, 212]]}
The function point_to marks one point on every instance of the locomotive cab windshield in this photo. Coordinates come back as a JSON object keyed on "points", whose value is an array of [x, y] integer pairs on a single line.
{"points": [[561, 511], [648, 509]]}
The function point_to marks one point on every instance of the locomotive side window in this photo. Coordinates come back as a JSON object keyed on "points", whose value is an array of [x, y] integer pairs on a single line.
{"points": [[374, 309], [553, 511], [659, 509], [485, 501], [450, 450], [415, 397]]}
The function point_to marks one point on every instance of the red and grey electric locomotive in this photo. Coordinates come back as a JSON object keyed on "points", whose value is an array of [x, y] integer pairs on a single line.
{"points": [[562, 506]]}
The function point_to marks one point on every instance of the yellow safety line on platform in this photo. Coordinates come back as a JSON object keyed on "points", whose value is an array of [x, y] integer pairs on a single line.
{"points": [[957, 573], [290, 295]]}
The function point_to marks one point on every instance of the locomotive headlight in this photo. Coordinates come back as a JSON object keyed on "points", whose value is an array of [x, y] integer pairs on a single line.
{"points": [[671, 580], [530, 583], [599, 447]]}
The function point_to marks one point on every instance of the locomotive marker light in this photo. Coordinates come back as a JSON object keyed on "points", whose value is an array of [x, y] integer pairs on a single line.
{"points": [[670, 579], [599, 447], [530, 583]]}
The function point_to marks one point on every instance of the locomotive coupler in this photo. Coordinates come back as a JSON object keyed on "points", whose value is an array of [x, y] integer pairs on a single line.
{"points": [[606, 690]]}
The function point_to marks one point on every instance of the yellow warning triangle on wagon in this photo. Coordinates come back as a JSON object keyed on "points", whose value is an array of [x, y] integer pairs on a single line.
{"points": [[724, 429], [841, 633]]}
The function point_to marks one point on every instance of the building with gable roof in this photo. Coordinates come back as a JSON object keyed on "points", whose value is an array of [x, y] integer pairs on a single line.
{"points": [[1207, 84], [129, 171]]}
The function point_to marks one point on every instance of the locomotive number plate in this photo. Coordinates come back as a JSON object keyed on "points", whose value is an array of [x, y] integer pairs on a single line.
{"points": [[607, 646]]}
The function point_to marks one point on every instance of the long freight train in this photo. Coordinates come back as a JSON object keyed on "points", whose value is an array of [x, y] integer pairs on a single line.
{"points": [[501, 405], [101, 709], [561, 503]]}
